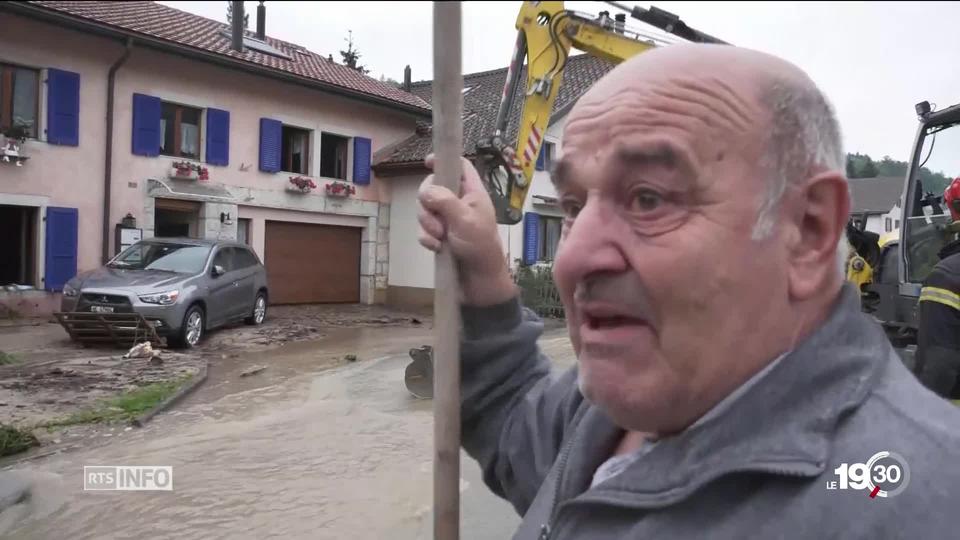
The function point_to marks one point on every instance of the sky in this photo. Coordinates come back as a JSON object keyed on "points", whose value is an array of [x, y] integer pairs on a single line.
{"points": [[874, 61]]}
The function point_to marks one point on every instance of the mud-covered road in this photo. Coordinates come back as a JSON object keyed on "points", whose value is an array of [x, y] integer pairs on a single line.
{"points": [[300, 450]]}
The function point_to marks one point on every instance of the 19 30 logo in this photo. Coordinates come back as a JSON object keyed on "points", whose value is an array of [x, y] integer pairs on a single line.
{"points": [[885, 474]]}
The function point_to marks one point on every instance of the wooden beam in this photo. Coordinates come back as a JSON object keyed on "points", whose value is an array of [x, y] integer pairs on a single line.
{"points": [[6, 97], [448, 147]]}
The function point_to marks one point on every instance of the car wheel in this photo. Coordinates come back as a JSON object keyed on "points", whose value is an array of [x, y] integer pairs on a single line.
{"points": [[191, 331], [259, 310]]}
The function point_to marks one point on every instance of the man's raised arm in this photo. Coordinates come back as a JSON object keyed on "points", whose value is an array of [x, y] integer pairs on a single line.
{"points": [[514, 410]]}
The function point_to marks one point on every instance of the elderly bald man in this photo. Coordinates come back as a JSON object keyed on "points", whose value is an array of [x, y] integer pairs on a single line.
{"points": [[727, 385]]}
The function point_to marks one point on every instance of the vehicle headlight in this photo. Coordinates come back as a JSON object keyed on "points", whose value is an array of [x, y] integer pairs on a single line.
{"points": [[69, 291], [164, 298]]}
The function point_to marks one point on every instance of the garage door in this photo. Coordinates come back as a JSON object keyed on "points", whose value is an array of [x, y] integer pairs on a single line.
{"points": [[312, 263]]}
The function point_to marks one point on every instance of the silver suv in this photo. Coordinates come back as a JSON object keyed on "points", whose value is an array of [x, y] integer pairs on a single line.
{"points": [[183, 286]]}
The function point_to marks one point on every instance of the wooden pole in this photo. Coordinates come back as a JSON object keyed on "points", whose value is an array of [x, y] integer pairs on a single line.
{"points": [[448, 148]]}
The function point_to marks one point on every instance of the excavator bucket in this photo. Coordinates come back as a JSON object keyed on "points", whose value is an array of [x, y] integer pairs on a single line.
{"points": [[419, 374]]}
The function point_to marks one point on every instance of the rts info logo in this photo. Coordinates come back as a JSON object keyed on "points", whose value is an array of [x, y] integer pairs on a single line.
{"points": [[886, 474]]}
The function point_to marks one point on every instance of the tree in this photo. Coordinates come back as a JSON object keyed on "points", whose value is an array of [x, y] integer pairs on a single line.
{"points": [[351, 57], [246, 16], [891, 167], [869, 169], [863, 166], [851, 170]]}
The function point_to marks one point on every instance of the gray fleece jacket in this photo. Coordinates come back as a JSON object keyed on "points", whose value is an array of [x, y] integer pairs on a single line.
{"points": [[763, 468]]}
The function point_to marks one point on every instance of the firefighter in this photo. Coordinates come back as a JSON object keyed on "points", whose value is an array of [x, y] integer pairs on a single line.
{"points": [[938, 343]]}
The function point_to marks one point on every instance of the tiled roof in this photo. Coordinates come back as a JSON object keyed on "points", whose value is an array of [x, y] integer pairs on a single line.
{"points": [[875, 195], [182, 28], [481, 102]]}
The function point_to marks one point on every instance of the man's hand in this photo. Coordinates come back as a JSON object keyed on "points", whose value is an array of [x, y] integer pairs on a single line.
{"points": [[467, 225]]}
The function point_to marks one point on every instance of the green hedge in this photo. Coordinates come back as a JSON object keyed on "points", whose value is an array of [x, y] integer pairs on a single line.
{"points": [[539, 292]]}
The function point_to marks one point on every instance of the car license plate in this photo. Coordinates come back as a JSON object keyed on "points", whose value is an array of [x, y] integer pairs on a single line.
{"points": [[101, 309]]}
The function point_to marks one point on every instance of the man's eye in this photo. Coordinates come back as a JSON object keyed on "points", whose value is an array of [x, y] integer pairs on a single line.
{"points": [[647, 200]]}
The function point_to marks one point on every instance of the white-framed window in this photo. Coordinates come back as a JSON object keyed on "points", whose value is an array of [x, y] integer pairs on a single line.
{"points": [[180, 127], [295, 150], [20, 98], [549, 235], [546, 156], [334, 156]]}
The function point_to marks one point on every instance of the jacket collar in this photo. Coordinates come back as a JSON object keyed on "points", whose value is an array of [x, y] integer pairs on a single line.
{"points": [[781, 425]]}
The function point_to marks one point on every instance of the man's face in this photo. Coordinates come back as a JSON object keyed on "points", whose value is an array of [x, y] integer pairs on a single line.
{"points": [[663, 284]]}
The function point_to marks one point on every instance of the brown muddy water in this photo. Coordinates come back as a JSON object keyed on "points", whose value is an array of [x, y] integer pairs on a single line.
{"points": [[296, 451]]}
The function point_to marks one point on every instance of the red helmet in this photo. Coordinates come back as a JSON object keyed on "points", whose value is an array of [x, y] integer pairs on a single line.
{"points": [[951, 198]]}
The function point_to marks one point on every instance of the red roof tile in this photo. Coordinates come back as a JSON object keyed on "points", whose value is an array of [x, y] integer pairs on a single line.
{"points": [[180, 27]]}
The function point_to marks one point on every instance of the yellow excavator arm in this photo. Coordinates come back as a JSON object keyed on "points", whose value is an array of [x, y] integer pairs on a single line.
{"points": [[546, 32]]}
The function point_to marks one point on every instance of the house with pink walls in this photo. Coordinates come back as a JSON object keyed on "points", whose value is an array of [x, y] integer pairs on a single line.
{"points": [[143, 120]]}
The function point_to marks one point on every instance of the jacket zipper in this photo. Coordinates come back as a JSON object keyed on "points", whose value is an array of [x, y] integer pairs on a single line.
{"points": [[792, 469], [789, 469], [545, 529]]}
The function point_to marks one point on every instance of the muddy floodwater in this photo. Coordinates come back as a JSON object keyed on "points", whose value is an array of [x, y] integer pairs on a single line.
{"points": [[296, 451]]}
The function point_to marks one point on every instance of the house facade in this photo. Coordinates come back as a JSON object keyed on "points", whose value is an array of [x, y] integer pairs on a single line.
{"points": [[143, 121], [875, 203], [532, 241]]}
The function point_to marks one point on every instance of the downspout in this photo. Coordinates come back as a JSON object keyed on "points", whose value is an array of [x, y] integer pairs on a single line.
{"points": [[108, 154]]}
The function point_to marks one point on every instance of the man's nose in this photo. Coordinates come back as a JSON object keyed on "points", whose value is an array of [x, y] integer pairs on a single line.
{"points": [[592, 243]]}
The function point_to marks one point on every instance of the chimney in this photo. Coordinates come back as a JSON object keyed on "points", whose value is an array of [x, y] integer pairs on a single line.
{"points": [[237, 30], [621, 22], [604, 20], [261, 22], [406, 79]]}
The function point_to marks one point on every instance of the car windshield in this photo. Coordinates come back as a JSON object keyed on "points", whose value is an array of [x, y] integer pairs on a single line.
{"points": [[180, 258]]}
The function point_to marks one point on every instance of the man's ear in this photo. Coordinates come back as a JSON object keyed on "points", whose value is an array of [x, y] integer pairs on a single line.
{"points": [[822, 205]]}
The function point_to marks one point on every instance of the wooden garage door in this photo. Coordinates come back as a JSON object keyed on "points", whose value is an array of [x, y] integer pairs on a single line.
{"points": [[312, 263]]}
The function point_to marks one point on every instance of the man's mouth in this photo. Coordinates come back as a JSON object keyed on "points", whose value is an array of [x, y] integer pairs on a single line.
{"points": [[612, 321], [604, 316], [612, 327]]}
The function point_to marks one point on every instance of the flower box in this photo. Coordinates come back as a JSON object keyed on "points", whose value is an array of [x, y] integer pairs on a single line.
{"points": [[340, 189], [184, 170], [301, 184]]}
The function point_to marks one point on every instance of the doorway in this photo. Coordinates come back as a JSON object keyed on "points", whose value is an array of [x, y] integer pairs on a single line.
{"points": [[18, 251], [176, 218], [243, 231]]}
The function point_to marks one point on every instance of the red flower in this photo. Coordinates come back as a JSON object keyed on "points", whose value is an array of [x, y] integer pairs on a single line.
{"points": [[340, 188], [302, 183]]}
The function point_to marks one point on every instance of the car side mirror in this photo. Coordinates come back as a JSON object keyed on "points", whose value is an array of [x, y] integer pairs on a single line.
{"points": [[218, 270]]}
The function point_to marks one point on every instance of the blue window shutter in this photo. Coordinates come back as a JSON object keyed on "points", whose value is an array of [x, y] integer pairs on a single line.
{"points": [[63, 107], [541, 160], [271, 135], [361, 161], [218, 137], [146, 125], [531, 237], [61, 247]]}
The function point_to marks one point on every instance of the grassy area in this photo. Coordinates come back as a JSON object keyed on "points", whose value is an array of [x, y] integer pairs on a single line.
{"points": [[14, 440], [125, 407], [7, 358]]}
